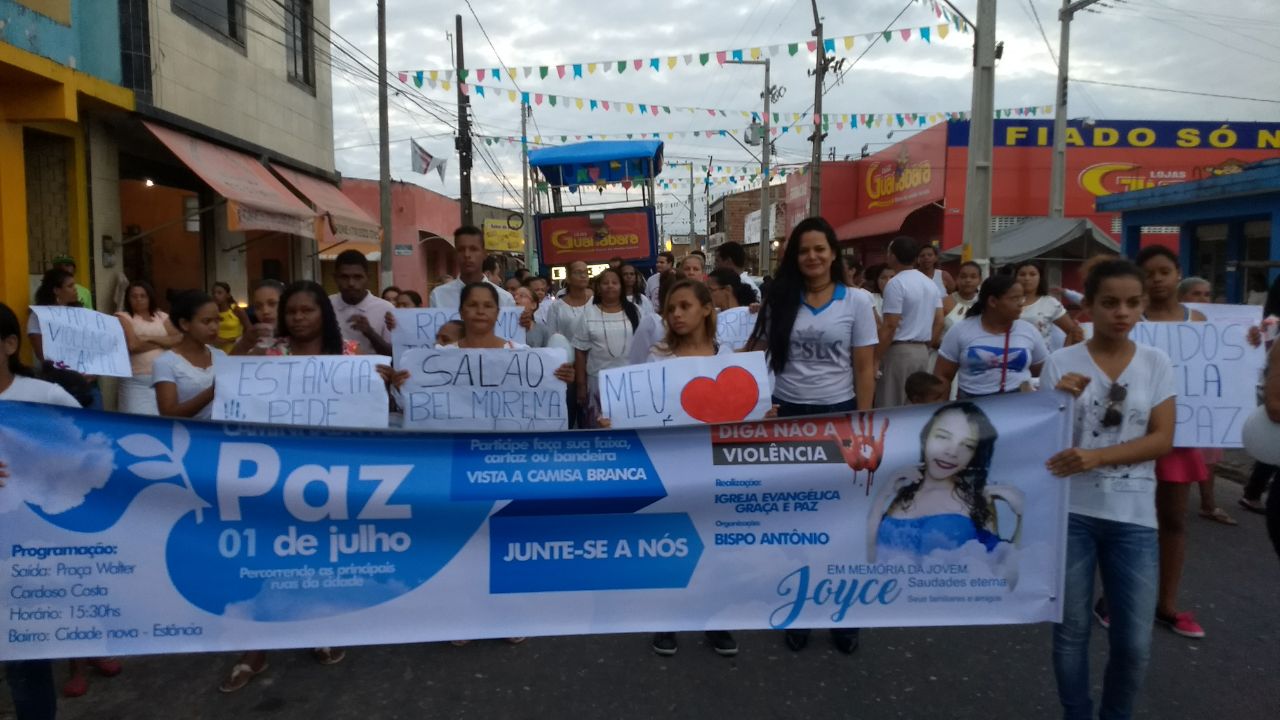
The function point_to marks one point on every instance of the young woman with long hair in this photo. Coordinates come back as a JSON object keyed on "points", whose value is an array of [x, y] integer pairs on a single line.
{"points": [[148, 333], [602, 337], [968, 281], [633, 288], [1042, 309], [994, 350], [265, 301], [728, 291], [820, 338], [1124, 421], [58, 288], [944, 502]]}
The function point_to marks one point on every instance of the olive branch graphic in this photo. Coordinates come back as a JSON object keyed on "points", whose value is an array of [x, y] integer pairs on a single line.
{"points": [[146, 446]]}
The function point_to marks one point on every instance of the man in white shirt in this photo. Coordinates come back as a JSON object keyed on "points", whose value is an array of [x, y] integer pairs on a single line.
{"points": [[733, 256], [362, 316], [468, 246], [666, 261], [912, 323]]}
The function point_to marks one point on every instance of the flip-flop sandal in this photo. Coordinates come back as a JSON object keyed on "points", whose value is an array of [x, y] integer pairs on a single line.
{"points": [[1219, 515], [241, 674], [329, 656]]}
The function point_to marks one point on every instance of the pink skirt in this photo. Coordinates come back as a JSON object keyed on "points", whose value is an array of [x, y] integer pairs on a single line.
{"points": [[1182, 465]]}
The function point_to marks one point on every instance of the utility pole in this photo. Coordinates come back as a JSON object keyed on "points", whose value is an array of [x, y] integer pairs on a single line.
{"points": [[384, 154], [464, 131], [1058, 176], [765, 208], [815, 163], [977, 199], [691, 233], [529, 262]]}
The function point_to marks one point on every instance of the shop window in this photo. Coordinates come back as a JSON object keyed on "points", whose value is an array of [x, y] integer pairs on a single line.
{"points": [[1004, 222], [298, 41], [224, 18]]}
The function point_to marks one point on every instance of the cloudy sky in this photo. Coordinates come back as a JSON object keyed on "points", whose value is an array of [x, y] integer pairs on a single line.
{"points": [[1228, 47]]}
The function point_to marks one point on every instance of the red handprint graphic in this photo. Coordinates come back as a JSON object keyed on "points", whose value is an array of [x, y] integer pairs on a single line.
{"points": [[860, 446]]}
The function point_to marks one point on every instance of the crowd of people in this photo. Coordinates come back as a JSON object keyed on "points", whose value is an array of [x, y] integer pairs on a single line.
{"points": [[836, 339]]}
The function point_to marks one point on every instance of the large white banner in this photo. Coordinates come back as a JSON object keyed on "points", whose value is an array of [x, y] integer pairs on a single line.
{"points": [[451, 389], [315, 390], [83, 340], [417, 327], [123, 534], [685, 391]]}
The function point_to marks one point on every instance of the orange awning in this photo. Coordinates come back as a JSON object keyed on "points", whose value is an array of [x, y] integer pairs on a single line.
{"points": [[341, 220], [256, 200]]}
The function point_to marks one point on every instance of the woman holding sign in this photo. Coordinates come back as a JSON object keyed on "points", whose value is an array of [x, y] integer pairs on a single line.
{"points": [[1124, 421], [57, 287], [820, 337], [993, 348], [602, 338]]}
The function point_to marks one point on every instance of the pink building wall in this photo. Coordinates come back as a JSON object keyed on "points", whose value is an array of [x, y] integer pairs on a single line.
{"points": [[420, 219]]}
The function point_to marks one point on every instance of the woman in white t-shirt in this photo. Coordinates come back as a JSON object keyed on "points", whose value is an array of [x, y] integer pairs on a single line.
{"points": [[819, 336], [602, 339], [1042, 309], [994, 351], [148, 333], [183, 375], [31, 682], [1124, 421], [633, 288], [877, 277], [563, 317]]}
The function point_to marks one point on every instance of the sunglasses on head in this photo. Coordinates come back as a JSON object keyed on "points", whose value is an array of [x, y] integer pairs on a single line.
{"points": [[1115, 405]]}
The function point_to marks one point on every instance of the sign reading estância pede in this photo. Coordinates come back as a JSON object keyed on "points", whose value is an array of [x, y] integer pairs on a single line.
{"points": [[125, 535]]}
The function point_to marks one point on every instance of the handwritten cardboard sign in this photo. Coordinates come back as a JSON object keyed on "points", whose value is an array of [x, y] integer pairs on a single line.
{"points": [[463, 390], [417, 327], [734, 326], [687, 391], [83, 340], [1216, 374], [313, 390]]}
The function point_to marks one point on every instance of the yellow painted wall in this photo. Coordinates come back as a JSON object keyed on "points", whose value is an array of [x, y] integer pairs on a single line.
{"points": [[56, 10]]}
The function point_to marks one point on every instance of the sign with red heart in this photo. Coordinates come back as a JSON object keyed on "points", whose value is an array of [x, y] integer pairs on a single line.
{"points": [[730, 397], [687, 391]]}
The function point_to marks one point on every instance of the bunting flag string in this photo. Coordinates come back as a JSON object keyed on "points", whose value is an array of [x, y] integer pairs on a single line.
{"points": [[836, 121], [710, 58], [632, 107]]}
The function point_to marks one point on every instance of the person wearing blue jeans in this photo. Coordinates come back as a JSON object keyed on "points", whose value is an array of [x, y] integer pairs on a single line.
{"points": [[31, 687], [1124, 420]]}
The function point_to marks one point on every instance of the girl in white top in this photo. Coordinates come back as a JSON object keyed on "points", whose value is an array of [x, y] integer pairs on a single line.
{"points": [[57, 287], [1042, 309], [148, 333], [183, 376], [602, 338], [927, 263], [565, 312], [877, 277], [1124, 420], [993, 350], [968, 280], [633, 289]]}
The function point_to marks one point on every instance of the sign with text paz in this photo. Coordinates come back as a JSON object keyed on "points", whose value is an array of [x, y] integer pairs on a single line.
{"points": [[83, 340], [312, 390], [683, 391], [1215, 371], [500, 237], [417, 327], [453, 389], [734, 326], [595, 237]]}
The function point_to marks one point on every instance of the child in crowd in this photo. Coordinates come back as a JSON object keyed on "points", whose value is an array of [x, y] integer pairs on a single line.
{"points": [[925, 388], [449, 333]]}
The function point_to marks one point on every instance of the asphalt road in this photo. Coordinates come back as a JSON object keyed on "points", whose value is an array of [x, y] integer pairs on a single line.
{"points": [[1232, 583]]}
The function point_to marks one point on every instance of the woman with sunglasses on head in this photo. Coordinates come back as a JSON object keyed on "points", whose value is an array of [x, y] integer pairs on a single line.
{"points": [[993, 349], [1124, 421]]}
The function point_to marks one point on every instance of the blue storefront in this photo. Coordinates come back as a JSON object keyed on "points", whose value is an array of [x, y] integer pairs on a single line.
{"points": [[1229, 227]]}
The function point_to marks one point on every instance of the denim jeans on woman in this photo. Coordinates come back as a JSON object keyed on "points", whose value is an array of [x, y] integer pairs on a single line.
{"points": [[1127, 556]]}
